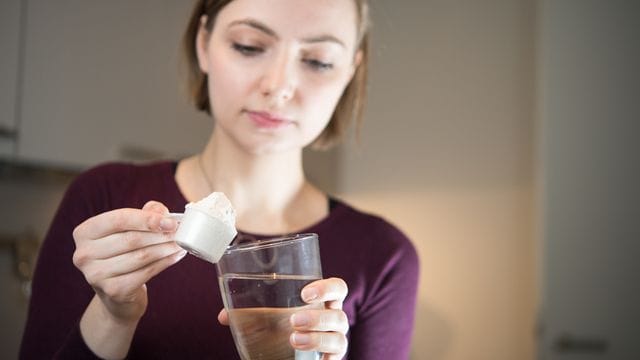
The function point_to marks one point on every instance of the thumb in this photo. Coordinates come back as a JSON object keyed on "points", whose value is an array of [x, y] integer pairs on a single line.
{"points": [[156, 207], [223, 317]]}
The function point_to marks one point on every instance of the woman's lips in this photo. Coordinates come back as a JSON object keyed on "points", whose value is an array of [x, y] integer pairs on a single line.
{"points": [[267, 120]]}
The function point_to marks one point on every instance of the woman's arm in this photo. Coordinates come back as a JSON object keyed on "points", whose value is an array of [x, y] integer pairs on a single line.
{"points": [[116, 253], [59, 293], [385, 320]]}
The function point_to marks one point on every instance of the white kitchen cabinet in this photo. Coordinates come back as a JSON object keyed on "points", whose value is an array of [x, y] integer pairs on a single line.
{"points": [[102, 80], [9, 64]]}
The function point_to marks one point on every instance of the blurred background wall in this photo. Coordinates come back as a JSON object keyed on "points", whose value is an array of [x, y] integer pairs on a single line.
{"points": [[447, 154], [473, 107]]}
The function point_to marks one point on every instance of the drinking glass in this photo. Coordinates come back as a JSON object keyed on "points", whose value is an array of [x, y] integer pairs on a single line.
{"points": [[260, 284]]}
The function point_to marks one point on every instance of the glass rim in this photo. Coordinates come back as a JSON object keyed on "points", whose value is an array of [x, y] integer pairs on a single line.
{"points": [[269, 243]]}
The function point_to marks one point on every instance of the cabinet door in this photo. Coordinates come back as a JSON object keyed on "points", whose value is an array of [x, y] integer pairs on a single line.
{"points": [[590, 175], [102, 81], [9, 50]]}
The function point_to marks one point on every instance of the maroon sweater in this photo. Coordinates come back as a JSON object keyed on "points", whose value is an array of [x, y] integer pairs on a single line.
{"points": [[376, 260]]}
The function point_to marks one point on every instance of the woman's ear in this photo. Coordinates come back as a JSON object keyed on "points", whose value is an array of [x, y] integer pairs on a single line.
{"points": [[202, 44], [357, 59]]}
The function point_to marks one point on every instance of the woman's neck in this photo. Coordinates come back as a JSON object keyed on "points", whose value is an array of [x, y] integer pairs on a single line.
{"points": [[268, 191], [265, 181]]}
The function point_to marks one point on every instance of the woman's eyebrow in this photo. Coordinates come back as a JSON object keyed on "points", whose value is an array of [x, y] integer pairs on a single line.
{"points": [[268, 31], [324, 38], [256, 25]]}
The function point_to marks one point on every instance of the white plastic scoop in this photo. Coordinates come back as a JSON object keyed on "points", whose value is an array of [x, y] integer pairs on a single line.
{"points": [[207, 227]]}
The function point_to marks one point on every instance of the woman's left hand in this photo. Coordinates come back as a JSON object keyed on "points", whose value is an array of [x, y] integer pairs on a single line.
{"points": [[322, 330]]}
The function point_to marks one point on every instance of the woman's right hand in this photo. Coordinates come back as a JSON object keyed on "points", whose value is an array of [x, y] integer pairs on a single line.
{"points": [[120, 250]]}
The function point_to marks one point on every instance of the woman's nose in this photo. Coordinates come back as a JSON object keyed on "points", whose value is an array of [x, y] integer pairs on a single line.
{"points": [[279, 81]]}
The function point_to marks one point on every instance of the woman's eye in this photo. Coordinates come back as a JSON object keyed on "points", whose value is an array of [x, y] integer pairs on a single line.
{"points": [[318, 65], [247, 50]]}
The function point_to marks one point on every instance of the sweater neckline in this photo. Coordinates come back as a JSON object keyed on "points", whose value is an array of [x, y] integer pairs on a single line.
{"points": [[336, 207]]}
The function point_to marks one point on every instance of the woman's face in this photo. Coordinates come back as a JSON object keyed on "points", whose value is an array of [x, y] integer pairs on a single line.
{"points": [[277, 68]]}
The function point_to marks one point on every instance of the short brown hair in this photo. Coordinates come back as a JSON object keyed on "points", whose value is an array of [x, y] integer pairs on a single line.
{"points": [[350, 107]]}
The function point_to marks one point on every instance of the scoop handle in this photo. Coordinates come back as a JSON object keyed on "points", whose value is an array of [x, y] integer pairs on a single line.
{"points": [[176, 216]]}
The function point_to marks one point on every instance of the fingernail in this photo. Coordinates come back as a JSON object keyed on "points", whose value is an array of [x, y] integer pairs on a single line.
{"points": [[309, 294], [167, 224], [300, 339], [299, 319]]}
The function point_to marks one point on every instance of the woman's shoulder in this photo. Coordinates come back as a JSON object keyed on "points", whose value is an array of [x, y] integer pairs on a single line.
{"points": [[363, 246], [120, 170], [358, 218], [368, 227], [112, 182]]}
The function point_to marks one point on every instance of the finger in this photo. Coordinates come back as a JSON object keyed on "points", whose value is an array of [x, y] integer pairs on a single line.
{"points": [[320, 320], [121, 287], [167, 224], [121, 220], [155, 206], [223, 317], [117, 244], [326, 342], [332, 290], [129, 262]]}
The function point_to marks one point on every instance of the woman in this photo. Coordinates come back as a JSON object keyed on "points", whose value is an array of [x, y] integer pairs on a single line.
{"points": [[276, 76]]}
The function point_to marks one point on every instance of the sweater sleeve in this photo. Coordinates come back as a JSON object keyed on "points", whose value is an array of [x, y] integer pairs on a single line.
{"points": [[385, 319], [60, 294]]}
